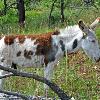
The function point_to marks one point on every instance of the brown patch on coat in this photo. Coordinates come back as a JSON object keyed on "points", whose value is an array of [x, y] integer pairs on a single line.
{"points": [[28, 54], [19, 53], [32, 37], [9, 39], [44, 38], [21, 38], [44, 42], [56, 32]]}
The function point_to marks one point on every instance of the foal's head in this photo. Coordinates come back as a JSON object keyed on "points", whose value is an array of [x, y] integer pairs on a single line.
{"points": [[81, 36], [89, 42]]}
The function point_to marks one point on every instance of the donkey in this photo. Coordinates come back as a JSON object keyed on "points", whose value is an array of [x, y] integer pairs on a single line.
{"points": [[47, 49]]}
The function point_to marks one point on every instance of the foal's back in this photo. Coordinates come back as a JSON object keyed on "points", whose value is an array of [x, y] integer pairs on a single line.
{"points": [[25, 50]]}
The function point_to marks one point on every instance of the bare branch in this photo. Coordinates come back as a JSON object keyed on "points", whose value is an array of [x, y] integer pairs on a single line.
{"points": [[7, 75], [15, 94], [53, 86], [62, 11]]}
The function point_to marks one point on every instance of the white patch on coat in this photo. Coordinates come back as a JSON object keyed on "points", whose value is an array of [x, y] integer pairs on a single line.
{"points": [[5, 54], [28, 45]]}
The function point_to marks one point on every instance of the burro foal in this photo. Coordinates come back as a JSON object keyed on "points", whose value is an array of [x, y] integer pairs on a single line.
{"points": [[47, 49]]}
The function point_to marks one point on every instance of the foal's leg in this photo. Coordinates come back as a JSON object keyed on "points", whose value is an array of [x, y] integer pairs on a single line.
{"points": [[48, 72], [1, 80], [4, 73]]}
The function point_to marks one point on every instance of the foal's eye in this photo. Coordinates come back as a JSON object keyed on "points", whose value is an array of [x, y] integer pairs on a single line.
{"points": [[2, 60], [93, 41]]}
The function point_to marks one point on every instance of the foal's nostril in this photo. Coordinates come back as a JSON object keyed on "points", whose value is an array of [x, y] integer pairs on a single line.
{"points": [[98, 60], [2, 60]]}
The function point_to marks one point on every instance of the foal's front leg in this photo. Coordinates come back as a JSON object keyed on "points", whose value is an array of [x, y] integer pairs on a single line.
{"points": [[1, 80], [5, 72], [48, 73]]}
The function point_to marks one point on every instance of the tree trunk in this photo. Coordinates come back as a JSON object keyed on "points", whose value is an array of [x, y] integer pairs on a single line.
{"points": [[52, 7], [62, 11], [5, 7], [21, 12]]}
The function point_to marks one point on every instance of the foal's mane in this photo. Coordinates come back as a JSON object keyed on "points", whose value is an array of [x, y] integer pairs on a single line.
{"points": [[71, 32]]}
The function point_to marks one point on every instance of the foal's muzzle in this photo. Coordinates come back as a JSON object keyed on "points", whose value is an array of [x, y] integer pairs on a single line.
{"points": [[98, 60]]}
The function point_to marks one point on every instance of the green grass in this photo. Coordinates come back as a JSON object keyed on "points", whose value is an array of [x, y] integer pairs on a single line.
{"points": [[69, 77], [98, 33]]}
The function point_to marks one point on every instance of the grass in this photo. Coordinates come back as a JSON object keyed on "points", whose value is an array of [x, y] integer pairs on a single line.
{"points": [[78, 77]]}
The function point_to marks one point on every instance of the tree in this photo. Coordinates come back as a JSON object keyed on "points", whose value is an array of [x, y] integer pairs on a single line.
{"points": [[62, 11], [21, 12], [5, 7]]}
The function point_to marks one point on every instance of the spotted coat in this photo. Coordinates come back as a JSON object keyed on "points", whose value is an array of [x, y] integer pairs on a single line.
{"points": [[44, 49]]}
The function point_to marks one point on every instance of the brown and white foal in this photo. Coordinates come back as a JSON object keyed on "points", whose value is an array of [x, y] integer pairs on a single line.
{"points": [[46, 49]]}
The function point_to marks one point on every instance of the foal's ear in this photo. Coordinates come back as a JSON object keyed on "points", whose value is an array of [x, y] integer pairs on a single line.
{"points": [[95, 23], [82, 25]]}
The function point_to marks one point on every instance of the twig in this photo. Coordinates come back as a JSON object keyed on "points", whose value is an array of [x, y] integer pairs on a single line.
{"points": [[53, 86]]}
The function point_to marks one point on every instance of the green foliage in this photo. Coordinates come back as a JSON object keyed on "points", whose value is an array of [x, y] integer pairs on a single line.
{"points": [[1, 5], [31, 4], [98, 32]]}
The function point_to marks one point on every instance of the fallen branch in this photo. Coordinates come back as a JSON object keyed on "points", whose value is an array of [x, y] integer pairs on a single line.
{"points": [[7, 75], [15, 94], [53, 86]]}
